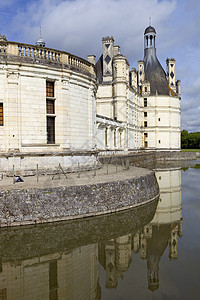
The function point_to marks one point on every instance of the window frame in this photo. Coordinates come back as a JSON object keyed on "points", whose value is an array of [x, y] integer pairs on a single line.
{"points": [[50, 89], [1, 114]]}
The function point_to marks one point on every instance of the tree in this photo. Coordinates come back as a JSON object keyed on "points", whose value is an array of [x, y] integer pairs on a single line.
{"points": [[190, 140]]}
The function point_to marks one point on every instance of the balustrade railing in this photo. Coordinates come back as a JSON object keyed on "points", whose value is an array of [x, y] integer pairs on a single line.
{"points": [[32, 51]]}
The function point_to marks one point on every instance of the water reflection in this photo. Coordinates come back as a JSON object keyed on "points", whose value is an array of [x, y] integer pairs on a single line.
{"points": [[60, 260], [151, 240]]}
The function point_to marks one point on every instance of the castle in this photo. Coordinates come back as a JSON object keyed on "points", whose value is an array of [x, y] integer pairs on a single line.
{"points": [[137, 110], [56, 107]]}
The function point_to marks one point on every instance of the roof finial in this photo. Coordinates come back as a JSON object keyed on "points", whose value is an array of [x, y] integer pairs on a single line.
{"points": [[40, 42], [149, 21]]}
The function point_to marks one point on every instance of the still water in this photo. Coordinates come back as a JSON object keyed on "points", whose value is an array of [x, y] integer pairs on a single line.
{"points": [[152, 252]]}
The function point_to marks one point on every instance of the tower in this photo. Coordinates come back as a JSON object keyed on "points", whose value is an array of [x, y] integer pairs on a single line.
{"points": [[154, 73], [161, 120]]}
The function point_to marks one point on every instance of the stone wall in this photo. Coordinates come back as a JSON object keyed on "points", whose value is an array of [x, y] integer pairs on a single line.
{"points": [[143, 159], [21, 207]]}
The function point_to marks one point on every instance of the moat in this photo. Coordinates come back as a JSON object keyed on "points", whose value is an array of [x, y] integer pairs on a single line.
{"points": [[149, 252]]}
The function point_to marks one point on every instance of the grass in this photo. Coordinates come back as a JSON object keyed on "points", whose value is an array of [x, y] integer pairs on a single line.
{"points": [[190, 150]]}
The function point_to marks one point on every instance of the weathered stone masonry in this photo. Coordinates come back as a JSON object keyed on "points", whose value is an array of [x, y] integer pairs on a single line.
{"points": [[21, 207]]}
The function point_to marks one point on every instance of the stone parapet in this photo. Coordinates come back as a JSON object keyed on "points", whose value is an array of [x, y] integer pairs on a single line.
{"points": [[37, 54]]}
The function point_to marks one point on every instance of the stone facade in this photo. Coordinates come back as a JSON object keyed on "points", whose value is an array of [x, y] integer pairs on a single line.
{"points": [[137, 109], [48, 100], [55, 104]]}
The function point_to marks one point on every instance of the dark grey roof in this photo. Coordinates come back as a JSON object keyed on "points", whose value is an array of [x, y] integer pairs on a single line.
{"points": [[155, 74], [149, 29], [99, 69]]}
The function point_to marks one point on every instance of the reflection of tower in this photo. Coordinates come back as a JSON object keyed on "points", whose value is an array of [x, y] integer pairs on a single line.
{"points": [[169, 206], [155, 249], [165, 227], [115, 257], [136, 242], [123, 253], [146, 234], [111, 276]]}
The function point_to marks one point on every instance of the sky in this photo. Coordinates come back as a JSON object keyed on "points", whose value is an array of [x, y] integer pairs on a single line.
{"points": [[77, 26]]}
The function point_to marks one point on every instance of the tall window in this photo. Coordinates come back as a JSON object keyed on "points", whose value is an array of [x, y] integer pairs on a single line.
{"points": [[145, 113], [115, 138], [50, 130], [145, 102], [1, 114], [106, 137], [145, 123], [120, 139], [50, 111]]}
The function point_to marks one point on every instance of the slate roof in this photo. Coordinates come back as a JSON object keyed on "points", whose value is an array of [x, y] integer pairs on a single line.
{"points": [[155, 74], [99, 69]]}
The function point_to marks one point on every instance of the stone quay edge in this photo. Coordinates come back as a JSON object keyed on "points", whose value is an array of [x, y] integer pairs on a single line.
{"points": [[100, 195]]}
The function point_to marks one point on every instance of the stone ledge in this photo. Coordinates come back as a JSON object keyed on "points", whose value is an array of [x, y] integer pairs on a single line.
{"points": [[32, 206]]}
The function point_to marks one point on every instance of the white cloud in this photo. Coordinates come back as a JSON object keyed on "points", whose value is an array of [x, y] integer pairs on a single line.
{"points": [[78, 26]]}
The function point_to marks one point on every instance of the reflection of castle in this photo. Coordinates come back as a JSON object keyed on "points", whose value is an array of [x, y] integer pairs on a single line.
{"points": [[60, 260], [153, 239], [64, 272], [55, 276], [115, 257], [165, 226]]}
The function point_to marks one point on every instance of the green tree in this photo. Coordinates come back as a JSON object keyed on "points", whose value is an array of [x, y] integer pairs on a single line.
{"points": [[190, 140]]}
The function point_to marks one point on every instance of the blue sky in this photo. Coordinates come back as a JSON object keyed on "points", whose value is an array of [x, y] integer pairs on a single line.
{"points": [[78, 26]]}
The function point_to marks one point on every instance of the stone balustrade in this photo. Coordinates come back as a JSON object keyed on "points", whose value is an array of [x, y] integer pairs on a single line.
{"points": [[46, 54]]}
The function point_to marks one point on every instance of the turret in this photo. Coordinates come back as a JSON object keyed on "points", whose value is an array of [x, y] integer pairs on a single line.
{"points": [[154, 75], [178, 88], [140, 72], [40, 42]]}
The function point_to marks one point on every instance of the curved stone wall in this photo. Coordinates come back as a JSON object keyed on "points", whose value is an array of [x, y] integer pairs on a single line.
{"points": [[21, 207], [48, 115]]}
